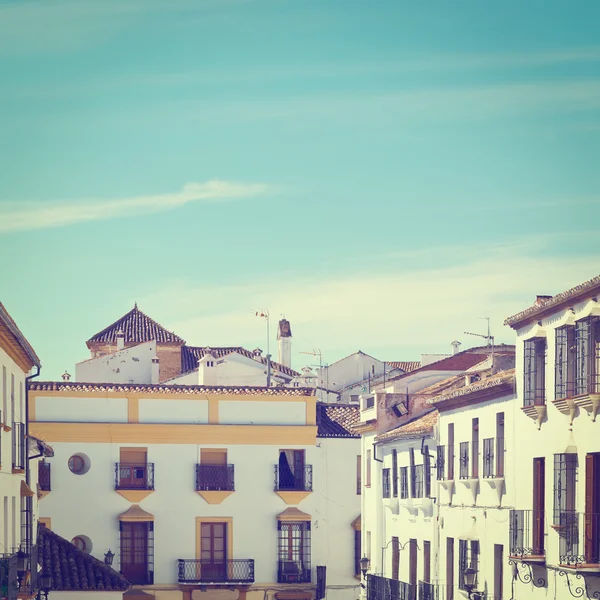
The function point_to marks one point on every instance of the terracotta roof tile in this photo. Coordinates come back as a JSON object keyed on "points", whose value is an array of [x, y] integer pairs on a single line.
{"points": [[19, 338], [484, 384], [417, 427], [588, 287], [137, 327], [190, 355], [405, 365], [72, 569], [337, 420], [158, 388]]}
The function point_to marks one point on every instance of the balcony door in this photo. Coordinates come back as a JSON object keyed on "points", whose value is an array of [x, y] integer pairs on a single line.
{"points": [[539, 480], [134, 551], [133, 470], [291, 469], [213, 551], [592, 508]]}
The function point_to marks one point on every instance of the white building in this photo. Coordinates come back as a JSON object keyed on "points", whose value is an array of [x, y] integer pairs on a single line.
{"points": [[555, 527], [204, 492]]}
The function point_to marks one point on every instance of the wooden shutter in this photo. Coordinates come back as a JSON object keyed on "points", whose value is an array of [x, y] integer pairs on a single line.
{"points": [[213, 456], [592, 506], [395, 558], [358, 474], [368, 467], [426, 562], [136, 456]]}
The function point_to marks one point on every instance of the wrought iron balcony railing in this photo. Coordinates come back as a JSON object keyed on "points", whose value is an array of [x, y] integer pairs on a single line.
{"points": [[417, 474], [526, 534], [292, 571], [44, 480], [215, 478], [134, 476], [300, 480], [382, 588], [386, 483], [464, 460], [431, 591], [236, 570], [8, 576], [579, 538]]}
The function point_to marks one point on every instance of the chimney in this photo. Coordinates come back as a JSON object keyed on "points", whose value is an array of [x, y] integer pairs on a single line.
{"points": [[120, 340], [284, 343], [455, 346], [207, 370], [539, 300], [155, 374], [66, 376]]}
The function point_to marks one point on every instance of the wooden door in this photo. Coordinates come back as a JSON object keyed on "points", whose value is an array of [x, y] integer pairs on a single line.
{"points": [[592, 508], [539, 485], [133, 472], [134, 552], [213, 551]]}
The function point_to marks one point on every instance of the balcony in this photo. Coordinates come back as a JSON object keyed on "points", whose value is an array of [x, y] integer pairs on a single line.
{"points": [[290, 571], [526, 535], [214, 482], [382, 588], [134, 481], [579, 542], [237, 570], [293, 487], [431, 591], [44, 480]]}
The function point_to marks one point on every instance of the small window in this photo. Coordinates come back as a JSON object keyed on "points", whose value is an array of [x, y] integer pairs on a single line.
{"points": [[354, 397], [83, 543], [79, 464], [369, 402]]}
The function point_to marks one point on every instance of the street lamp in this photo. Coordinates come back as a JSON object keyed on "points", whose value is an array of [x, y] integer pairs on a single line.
{"points": [[21, 566], [108, 558], [469, 576], [365, 563], [45, 583]]}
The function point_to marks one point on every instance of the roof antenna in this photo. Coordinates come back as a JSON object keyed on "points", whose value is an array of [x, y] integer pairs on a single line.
{"points": [[490, 340]]}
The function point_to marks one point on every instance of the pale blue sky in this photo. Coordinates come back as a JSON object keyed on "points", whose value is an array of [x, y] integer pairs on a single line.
{"points": [[382, 172]]}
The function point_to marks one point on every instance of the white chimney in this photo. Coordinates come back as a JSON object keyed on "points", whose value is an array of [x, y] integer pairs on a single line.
{"points": [[455, 346], [284, 343], [120, 340], [155, 375], [207, 370], [66, 376]]}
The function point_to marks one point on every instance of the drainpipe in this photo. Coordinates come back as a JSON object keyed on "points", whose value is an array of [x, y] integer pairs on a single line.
{"points": [[26, 442]]}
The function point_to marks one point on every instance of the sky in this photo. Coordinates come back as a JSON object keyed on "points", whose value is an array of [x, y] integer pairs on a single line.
{"points": [[384, 174]]}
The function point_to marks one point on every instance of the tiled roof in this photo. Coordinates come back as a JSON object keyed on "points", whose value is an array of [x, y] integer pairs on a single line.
{"points": [[137, 327], [575, 293], [21, 341], [72, 569], [337, 420], [190, 355], [158, 388], [417, 427], [37, 447], [405, 365]]}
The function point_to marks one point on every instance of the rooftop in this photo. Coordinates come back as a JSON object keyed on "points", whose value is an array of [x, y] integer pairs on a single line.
{"points": [[136, 327], [72, 569], [337, 420], [158, 388], [16, 339], [405, 365], [543, 307], [419, 426]]}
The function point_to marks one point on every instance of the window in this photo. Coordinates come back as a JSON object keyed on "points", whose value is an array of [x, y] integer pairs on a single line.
{"points": [[403, 482], [534, 391], [411, 453], [565, 478], [354, 397], [426, 561], [368, 468], [440, 462], [294, 552], [5, 398], [83, 543], [418, 481], [464, 460], [136, 545], [450, 451], [291, 472], [213, 472], [564, 363], [369, 402], [427, 472], [79, 464], [488, 457], [395, 473], [475, 448], [134, 472], [500, 444], [386, 483], [357, 553], [468, 557], [358, 474], [13, 412], [587, 348]]}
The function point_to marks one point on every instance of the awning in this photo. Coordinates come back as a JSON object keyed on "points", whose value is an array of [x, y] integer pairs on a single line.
{"points": [[25, 489], [136, 513], [293, 514]]}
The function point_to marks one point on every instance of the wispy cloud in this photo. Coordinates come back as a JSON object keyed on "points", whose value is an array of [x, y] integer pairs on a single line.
{"points": [[397, 314], [40, 215]]}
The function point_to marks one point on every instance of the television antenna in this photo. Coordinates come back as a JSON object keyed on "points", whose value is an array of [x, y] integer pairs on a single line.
{"points": [[489, 338]]}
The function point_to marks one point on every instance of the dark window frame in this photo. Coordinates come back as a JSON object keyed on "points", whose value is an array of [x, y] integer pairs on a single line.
{"points": [[534, 372]]}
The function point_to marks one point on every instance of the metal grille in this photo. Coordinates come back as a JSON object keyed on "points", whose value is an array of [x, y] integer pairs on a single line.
{"points": [[134, 476], [208, 571], [395, 473], [500, 456], [450, 461], [534, 390], [215, 477], [44, 480], [294, 552], [386, 483], [417, 481], [8, 576], [300, 482], [579, 541], [26, 523], [427, 472], [526, 537], [431, 591], [382, 588], [440, 464], [468, 557], [488, 457], [357, 552], [18, 435], [464, 460], [587, 361], [404, 493], [565, 480], [564, 363]]}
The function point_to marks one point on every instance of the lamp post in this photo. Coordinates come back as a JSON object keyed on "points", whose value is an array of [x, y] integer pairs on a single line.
{"points": [[365, 563], [21, 566], [108, 558], [45, 583], [469, 576]]}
